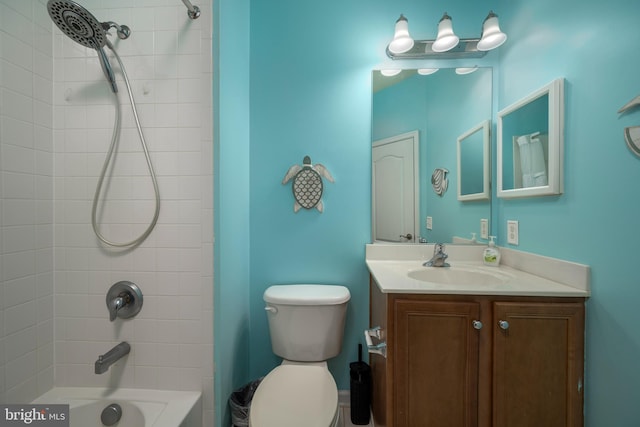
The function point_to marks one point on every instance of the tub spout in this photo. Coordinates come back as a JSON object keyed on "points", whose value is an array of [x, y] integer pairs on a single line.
{"points": [[112, 356]]}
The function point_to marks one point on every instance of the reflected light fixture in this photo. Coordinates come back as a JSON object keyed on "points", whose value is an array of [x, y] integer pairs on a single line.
{"points": [[402, 41], [446, 39], [447, 44], [427, 71], [492, 37], [390, 72], [466, 70]]}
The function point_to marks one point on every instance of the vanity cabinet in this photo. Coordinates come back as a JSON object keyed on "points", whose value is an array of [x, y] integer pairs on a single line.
{"points": [[467, 361]]}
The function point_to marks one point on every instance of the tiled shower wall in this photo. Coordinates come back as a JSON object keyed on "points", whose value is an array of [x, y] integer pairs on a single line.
{"points": [[53, 142], [168, 60], [26, 201]]}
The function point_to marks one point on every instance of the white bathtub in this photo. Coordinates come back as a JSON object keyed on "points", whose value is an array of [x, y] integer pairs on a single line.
{"points": [[140, 407]]}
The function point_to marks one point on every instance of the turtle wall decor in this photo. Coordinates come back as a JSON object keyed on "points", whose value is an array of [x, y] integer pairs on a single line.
{"points": [[307, 186]]}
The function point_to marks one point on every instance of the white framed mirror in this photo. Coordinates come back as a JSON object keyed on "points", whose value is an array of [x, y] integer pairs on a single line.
{"points": [[531, 144], [474, 164]]}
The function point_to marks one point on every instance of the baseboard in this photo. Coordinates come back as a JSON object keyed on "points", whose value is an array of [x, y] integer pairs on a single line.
{"points": [[344, 397]]}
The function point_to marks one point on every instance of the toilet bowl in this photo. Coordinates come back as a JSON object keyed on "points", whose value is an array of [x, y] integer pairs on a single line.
{"points": [[306, 325], [294, 395]]}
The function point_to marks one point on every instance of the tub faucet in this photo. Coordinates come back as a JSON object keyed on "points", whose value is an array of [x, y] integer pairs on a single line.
{"points": [[438, 258], [112, 356]]}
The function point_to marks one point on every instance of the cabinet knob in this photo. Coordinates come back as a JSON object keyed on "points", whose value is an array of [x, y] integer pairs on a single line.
{"points": [[477, 324], [503, 324]]}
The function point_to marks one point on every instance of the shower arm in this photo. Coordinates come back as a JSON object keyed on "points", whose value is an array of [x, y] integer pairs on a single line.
{"points": [[123, 31], [194, 11]]}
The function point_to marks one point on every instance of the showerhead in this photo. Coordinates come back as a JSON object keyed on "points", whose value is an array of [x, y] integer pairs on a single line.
{"points": [[81, 26], [78, 23]]}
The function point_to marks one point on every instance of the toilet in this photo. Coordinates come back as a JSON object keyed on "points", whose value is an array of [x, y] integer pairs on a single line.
{"points": [[306, 324]]}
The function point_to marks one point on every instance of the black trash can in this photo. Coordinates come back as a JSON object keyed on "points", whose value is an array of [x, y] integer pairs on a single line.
{"points": [[360, 374], [240, 403]]}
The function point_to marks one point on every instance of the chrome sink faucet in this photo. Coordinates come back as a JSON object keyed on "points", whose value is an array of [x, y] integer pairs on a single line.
{"points": [[439, 257], [112, 356]]}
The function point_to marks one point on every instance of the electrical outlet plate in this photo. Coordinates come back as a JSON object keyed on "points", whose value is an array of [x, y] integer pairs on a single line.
{"points": [[512, 232], [429, 223], [484, 228]]}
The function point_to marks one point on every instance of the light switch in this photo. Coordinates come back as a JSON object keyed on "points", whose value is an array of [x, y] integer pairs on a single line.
{"points": [[429, 223]]}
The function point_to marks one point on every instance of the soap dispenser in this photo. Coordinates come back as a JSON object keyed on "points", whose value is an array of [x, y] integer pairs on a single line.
{"points": [[491, 255]]}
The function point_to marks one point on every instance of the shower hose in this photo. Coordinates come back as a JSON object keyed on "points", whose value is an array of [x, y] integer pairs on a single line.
{"points": [[107, 161]]}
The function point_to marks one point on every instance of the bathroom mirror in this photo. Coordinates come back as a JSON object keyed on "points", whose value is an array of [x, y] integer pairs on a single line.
{"points": [[439, 107], [530, 144], [474, 164]]}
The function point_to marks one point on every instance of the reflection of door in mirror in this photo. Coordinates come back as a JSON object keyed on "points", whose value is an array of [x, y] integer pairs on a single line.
{"points": [[394, 188]]}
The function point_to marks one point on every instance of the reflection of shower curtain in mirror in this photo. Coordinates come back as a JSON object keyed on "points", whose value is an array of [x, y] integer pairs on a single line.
{"points": [[532, 161]]}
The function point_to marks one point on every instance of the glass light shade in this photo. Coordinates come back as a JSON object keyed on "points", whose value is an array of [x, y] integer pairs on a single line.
{"points": [[402, 41], [492, 37], [427, 71], [466, 70], [446, 39], [390, 72]]}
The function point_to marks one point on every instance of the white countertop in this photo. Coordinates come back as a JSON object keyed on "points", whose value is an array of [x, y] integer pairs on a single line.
{"points": [[519, 273]]}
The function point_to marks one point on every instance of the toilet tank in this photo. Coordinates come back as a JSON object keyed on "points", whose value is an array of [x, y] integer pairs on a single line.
{"points": [[306, 322]]}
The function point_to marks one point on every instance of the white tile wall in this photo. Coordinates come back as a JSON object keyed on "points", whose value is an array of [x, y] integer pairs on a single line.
{"points": [[26, 201], [56, 116]]}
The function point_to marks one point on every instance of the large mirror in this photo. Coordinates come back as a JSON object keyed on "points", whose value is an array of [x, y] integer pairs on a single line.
{"points": [[437, 109], [530, 144]]}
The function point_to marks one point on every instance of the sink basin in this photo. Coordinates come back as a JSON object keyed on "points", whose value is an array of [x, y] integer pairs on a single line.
{"points": [[459, 276]]}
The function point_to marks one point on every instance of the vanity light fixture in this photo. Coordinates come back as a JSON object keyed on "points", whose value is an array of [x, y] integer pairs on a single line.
{"points": [[447, 44], [446, 39], [402, 41], [492, 36]]}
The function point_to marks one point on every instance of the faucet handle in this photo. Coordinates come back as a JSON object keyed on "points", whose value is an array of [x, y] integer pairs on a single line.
{"points": [[124, 300], [438, 248]]}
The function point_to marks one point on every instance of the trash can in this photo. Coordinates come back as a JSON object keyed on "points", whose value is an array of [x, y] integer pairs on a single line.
{"points": [[240, 402], [360, 374]]}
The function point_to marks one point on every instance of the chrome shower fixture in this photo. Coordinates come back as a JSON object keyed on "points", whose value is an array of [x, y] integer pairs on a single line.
{"points": [[82, 27], [192, 11]]}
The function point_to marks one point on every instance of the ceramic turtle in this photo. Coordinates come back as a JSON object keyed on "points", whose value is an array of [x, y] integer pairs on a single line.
{"points": [[307, 184]]}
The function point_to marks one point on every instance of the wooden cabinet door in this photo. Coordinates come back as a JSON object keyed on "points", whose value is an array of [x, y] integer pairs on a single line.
{"points": [[435, 353], [538, 364]]}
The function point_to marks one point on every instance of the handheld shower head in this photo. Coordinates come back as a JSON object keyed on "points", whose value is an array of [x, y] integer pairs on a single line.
{"points": [[82, 27]]}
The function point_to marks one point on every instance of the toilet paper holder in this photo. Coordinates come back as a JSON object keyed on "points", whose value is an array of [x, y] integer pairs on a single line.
{"points": [[380, 348]]}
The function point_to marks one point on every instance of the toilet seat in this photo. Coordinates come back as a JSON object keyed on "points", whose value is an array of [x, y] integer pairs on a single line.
{"points": [[294, 395]]}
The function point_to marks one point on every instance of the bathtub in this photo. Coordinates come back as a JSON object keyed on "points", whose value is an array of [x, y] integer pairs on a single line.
{"points": [[140, 407]]}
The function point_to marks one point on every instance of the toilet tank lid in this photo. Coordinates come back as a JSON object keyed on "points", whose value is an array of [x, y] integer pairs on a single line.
{"points": [[307, 294]]}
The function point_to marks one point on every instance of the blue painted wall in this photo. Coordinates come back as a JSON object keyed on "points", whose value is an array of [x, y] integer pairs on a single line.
{"points": [[310, 95], [231, 202], [594, 46]]}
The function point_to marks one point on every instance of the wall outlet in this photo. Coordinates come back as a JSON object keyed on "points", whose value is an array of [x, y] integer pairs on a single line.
{"points": [[484, 228], [429, 223], [512, 232]]}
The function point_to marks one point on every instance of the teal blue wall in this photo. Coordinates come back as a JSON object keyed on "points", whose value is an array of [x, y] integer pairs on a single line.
{"points": [[594, 46], [231, 201], [310, 95]]}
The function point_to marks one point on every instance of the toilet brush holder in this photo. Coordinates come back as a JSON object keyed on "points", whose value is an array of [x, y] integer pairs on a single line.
{"points": [[360, 374]]}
